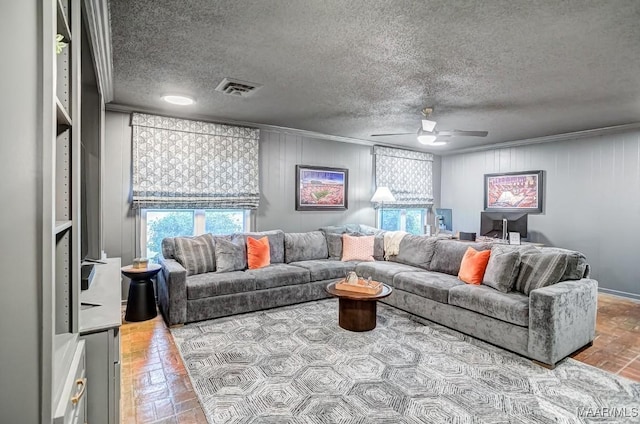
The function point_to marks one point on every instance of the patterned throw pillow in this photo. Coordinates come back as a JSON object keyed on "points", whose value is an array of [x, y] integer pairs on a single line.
{"points": [[231, 255], [540, 269], [502, 269], [357, 248], [196, 254]]}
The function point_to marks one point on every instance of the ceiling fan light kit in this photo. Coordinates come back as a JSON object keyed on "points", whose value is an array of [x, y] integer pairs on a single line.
{"points": [[426, 138]]}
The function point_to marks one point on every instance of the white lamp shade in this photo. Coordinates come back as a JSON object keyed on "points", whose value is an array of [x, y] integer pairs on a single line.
{"points": [[383, 194]]}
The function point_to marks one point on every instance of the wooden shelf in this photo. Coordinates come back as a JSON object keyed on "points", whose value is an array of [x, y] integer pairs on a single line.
{"points": [[61, 226], [63, 23], [62, 116]]}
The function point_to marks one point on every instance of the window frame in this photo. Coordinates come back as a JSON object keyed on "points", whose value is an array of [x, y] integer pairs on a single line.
{"points": [[403, 218], [199, 224]]}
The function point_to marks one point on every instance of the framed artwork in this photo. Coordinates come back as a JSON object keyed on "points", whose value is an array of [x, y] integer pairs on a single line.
{"points": [[320, 188], [513, 192]]}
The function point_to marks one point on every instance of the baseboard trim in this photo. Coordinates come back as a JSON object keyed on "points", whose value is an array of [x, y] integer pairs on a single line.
{"points": [[618, 293]]}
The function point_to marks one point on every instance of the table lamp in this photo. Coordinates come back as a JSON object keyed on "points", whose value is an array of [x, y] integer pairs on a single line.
{"points": [[382, 194]]}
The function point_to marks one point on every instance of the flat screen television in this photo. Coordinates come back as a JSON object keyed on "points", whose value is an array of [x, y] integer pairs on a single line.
{"points": [[491, 223]]}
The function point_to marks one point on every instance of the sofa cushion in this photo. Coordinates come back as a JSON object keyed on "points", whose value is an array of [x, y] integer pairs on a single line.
{"points": [[502, 269], [383, 271], [305, 246], [357, 248], [195, 254], [512, 307], [168, 248], [432, 285], [340, 229], [231, 254], [326, 269], [258, 255], [334, 245], [540, 269], [217, 284], [278, 275], [276, 243], [416, 251], [448, 255]]}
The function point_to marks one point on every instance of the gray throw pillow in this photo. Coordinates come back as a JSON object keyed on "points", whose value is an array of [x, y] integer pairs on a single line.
{"points": [[502, 269], [195, 254], [305, 246], [334, 244], [415, 251], [540, 269], [577, 266], [448, 254], [231, 254]]}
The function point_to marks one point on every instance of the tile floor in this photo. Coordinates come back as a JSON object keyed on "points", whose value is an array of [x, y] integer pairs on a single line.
{"points": [[156, 387]]}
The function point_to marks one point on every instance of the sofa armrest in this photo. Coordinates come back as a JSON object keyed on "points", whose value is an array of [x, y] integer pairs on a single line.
{"points": [[562, 319], [172, 291]]}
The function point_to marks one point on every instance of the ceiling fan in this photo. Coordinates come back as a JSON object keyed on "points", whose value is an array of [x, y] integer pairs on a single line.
{"points": [[428, 135]]}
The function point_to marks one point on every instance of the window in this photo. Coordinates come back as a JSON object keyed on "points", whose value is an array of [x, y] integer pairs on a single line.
{"points": [[410, 220], [157, 224]]}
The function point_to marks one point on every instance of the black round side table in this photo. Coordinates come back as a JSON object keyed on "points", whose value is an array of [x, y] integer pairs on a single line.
{"points": [[141, 304]]}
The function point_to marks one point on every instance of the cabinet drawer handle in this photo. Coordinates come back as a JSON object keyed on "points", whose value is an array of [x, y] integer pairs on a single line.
{"points": [[82, 384]]}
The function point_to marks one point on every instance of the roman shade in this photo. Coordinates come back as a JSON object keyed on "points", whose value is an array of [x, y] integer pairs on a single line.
{"points": [[180, 163], [408, 174]]}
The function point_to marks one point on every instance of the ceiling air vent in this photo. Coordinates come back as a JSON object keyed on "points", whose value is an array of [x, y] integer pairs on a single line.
{"points": [[237, 87]]}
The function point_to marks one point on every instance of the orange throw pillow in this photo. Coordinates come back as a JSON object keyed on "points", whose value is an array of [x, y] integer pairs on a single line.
{"points": [[473, 265], [357, 248], [258, 255]]}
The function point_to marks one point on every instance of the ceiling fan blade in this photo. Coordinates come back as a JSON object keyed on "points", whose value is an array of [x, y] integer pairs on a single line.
{"points": [[463, 133], [388, 135]]}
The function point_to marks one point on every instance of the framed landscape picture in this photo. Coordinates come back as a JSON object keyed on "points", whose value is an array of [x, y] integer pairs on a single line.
{"points": [[321, 189], [513, 192]]}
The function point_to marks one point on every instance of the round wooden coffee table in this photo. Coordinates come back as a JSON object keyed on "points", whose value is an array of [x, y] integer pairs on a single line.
{"points": [[357, 311]]}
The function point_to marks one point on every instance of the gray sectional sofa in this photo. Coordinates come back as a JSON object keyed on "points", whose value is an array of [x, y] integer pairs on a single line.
{"points": [[545, 324]]}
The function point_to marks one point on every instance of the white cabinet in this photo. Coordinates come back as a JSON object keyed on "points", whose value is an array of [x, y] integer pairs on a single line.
{"points": [[71, 406]]}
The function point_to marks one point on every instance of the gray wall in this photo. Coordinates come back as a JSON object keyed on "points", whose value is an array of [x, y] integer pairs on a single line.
{"points": [[279, 155], [591, 201], [22, 216], [118, 219]]}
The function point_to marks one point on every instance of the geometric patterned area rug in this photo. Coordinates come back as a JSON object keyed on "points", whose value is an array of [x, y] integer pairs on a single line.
{"points": [[296, 365]]}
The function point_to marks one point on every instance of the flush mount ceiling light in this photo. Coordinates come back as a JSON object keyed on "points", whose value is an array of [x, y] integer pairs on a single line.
{"points": [[438, 143], [178, 100]]}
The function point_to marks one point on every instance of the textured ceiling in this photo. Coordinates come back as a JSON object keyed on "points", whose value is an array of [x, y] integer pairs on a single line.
{"points": [[518, 69]]}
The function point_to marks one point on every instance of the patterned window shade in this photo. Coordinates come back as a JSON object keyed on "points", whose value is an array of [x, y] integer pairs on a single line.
{"points": [[179, 163], [408, 174]]}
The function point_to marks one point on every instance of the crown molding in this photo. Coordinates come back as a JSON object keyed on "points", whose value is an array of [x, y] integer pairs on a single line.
{"points": [[116, 107], [616, 129], [99, 32]]}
